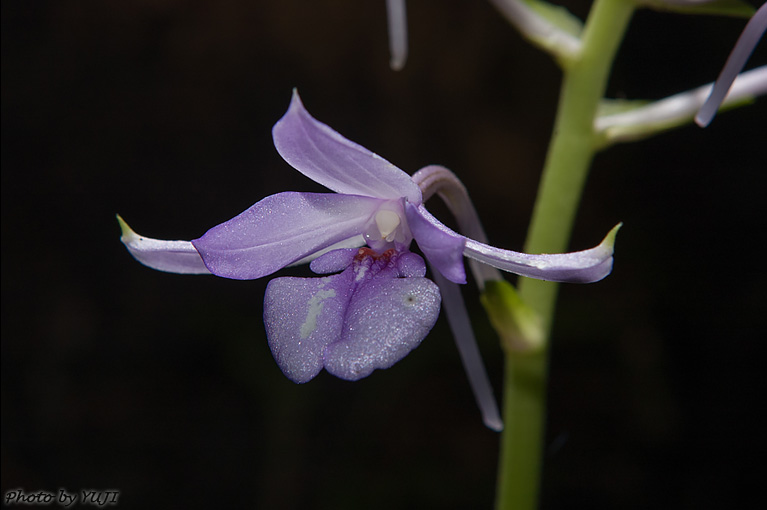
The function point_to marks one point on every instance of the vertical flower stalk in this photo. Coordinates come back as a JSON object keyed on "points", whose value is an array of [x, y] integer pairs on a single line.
{"points": [[570, 154]]}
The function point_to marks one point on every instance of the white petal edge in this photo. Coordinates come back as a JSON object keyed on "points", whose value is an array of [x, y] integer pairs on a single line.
{"points": [[584, 266], [169, 256]]}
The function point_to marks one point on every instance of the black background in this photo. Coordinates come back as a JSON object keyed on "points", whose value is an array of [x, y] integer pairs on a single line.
{"points": [[162, 386]]}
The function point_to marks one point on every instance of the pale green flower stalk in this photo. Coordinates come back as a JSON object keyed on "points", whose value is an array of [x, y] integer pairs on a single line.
{"points": [[567, 163], [585, 124]]}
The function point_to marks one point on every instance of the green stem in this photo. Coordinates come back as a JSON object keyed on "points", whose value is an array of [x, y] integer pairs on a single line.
{"points": [[570, 154], [523, 431]]}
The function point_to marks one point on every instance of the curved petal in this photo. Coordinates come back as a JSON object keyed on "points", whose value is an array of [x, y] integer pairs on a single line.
{"points": [[577, 267], [326, 157], [460, 325], [387, 318], [281, 229], [745, 45], [169, 256], [442, 247]]}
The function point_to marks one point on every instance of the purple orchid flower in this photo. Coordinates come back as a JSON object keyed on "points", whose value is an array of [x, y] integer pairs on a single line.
{"points": [[375, 305]]}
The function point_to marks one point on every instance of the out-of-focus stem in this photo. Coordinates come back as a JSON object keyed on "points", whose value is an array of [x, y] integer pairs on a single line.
{"points": [[570, 154]]}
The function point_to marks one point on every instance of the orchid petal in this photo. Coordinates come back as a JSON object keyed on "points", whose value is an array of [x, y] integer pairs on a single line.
{"points": [[334, 261], [169, 256], [460, 325], [443, 247], [410, 265], [282, 229], [387, 318], [302, 316], [326, 157], [577, 267], [745, 45]]}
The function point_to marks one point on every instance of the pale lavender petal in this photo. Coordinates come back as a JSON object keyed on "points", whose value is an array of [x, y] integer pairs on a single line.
{"points": [[460, 325], [577, 267], [442, 247], [386, 319], [281, 229], [408, 265], [397, 17], [440, 180], [302, 316], [326, 157], [411, 265], [169, 256], [743, 48], [333, 261]]}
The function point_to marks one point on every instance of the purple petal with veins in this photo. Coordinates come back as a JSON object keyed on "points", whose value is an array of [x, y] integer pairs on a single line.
{"points": [[281, 229], [326, 157]]}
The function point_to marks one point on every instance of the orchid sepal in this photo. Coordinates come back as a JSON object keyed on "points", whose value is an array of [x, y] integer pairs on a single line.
{"points": [[167, 256], [586, 266], [280, 230], [325, 156], [576, 267]]}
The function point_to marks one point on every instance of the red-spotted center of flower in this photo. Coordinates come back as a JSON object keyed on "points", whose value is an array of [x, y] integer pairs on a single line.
{"points": [[368, 262]]}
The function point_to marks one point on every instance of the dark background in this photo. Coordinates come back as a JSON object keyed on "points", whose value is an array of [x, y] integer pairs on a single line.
{"points": [[162, 386]]}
